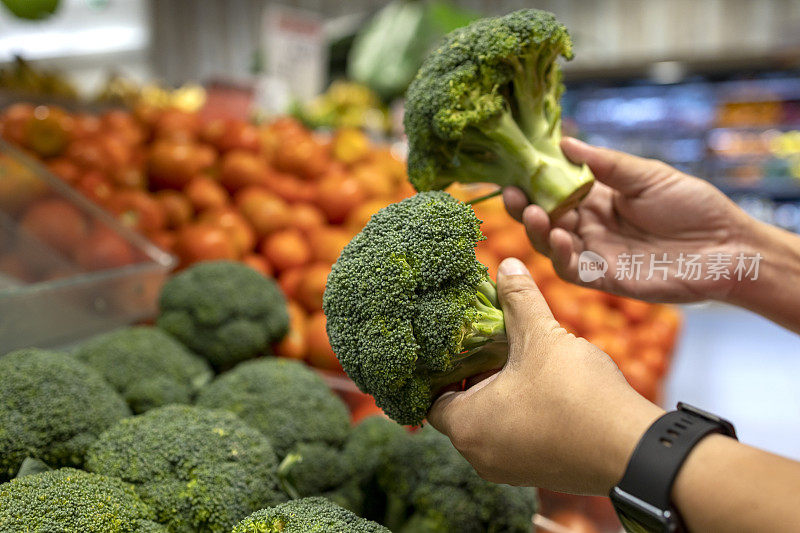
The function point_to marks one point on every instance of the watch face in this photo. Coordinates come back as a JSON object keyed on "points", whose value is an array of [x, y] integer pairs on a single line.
{"points": [[634, 525], [638, 516]]}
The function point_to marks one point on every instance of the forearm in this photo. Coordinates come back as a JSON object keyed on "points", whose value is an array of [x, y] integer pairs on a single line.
{"points": [[727, 486], [775, 292]]}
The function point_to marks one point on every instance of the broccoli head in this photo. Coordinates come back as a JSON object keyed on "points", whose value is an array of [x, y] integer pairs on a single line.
{"points": [[431, 488], [305, 516], [52, 408], [484, 107], [73, 501], [199, 469], [224, 311], [292, 405], [284, 399], [410, 309], [146, 365]]}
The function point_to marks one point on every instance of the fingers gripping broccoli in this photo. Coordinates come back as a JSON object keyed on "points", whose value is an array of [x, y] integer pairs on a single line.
{"points": [[73, 501], [201, 470], [484, 107], [410, 309], [224, 311], [304, 516], [146, 365], [52, 408]]}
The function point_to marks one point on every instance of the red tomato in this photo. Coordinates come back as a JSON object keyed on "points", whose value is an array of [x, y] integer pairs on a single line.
{"points": [[240, 231], [176, 125], [306, 217], [365, 408], [14, 122], [359, 217], [259, 264], [289, 280], [655, 358], [164, 239], [171, 165], [177, 208], [138, 210], [86, 125], [286, 249], [292, 188], [89, 153], [230, 134], [312, 286], [339, 195], [293, 344], [510, 242], [128, 177], [205, 193], [327, 243], [204, 242], [95, 186], [55, 223], [635, 310], [104, 249], [240, 168], [320, 353], [265, 211], [64, 169]]}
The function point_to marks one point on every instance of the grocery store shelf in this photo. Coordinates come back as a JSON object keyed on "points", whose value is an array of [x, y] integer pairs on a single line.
{"points": [[782, 190]]}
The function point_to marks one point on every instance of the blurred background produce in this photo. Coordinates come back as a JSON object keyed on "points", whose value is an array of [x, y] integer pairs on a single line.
{"points": [[143, 135]]}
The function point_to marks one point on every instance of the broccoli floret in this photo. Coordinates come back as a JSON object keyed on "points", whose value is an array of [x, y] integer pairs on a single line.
{"points": [[366, 449], [305, 516], [224, 311], [284, 399], [147, 366], [484, 107], [292, 405], [433, 489], [73, 501], [200, 469], [52, 408], [410, 309]]}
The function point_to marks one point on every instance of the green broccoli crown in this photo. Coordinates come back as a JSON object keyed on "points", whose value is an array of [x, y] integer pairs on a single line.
{"points": [[224, 311], [484, 106], [73, 501], [434, 489], [146, 365], [313, 468], [368, 442], [284, 399], [306, 516], [52, 408], [200, 469], [407, 298]]}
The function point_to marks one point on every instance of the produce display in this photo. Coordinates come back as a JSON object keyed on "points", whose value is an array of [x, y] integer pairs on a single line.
{"points": [[410, 309], [267, 431], [484, 107]]}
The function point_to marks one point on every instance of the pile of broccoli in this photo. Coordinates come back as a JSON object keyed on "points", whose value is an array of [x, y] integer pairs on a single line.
{"points": [[96, 504], [52, 408], [304, 516], [409, 307], [289, 403], [484, 107], [69, 500], [147, 366], [224, 311], [199, 469]]}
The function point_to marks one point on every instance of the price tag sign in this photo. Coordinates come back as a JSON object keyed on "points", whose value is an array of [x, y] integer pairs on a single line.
{"points": [[295, 50]]}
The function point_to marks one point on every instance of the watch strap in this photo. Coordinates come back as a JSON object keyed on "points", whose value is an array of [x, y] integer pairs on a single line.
{"points": [[662, 450]]}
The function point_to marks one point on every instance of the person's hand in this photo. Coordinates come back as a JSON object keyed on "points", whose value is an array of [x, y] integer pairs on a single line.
{"points": [[559, 415], [638, 206]]}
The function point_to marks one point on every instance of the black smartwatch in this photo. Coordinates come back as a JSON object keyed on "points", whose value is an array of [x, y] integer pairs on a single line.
{"points": [[642, 497]]}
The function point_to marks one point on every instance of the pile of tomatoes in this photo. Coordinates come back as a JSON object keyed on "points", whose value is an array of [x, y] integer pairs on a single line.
{"points": [[285, 201]]}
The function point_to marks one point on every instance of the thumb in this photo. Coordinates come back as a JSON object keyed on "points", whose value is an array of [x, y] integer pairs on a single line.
{"points": [[525, 310], [626, 173]]}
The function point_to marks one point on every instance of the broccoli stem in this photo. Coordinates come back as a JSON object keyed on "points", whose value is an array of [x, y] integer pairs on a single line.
{"points": [[284, 470], [546, 176]]}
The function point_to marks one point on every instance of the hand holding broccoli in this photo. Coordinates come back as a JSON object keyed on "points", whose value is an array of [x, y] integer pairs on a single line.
{"points": [[638, 206], [559, 415]]}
